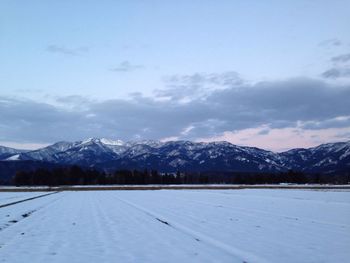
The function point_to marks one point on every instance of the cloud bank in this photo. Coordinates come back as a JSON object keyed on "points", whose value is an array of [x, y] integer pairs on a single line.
{"points": [[229, 107]]}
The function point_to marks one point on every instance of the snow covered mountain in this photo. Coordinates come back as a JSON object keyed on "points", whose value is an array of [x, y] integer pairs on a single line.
{"points": [[6, 152], [188, 156], [326, 158]]}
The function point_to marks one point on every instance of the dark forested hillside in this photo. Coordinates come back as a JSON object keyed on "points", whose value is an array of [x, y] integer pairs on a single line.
{"points": [[75, 175]]}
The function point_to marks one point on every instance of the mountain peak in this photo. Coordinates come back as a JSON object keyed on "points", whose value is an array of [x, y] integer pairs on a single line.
{"points": [[103, 141], [112, 142]]}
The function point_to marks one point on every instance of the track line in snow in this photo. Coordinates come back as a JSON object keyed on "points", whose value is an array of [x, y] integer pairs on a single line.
{"points": [[26, 212], [197, 236], [162, 221], [27, 199]]}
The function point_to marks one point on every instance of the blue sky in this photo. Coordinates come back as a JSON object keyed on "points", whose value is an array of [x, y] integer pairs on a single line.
{"points": [[79, 60]]}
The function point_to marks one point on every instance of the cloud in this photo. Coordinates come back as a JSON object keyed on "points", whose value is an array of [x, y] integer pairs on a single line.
{"points": [[197, 86], [301, 103], [330, 42], [340, 68], [72, 99], [67, 51], [337, 122], [282, 139], [337, 72], [126, 66], [341, 58], [228, 78], [29, 90], [23, 146], [30, 121]]}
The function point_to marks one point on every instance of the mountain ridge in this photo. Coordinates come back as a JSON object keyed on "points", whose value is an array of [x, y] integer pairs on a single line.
{"points": [[171, 156]]}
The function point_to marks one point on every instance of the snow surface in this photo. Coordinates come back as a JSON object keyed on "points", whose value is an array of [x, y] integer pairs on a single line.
{"points": [[111, 142], [13, 158], [10, 197], [252, 225]]}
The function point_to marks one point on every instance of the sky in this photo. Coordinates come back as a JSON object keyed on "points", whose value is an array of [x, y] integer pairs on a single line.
{"points": [[270, 74]]}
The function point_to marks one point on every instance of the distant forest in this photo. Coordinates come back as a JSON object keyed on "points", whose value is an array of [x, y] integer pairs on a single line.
{"points": [[75, 175]]}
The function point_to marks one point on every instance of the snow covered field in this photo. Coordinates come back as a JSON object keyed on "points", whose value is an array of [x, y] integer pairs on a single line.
{"points": [[252, 225], [9, 197]]}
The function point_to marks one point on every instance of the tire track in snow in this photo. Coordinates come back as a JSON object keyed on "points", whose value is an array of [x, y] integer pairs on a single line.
{"points": [[26, 212], [195, 220], [197, 236], [27, 199], [13, 197]]}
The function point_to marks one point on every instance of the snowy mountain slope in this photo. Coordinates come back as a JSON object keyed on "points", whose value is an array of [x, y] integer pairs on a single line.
{"points": [[47, 154], [88, 152], [6, 152], [189, 156], [328, 157]]}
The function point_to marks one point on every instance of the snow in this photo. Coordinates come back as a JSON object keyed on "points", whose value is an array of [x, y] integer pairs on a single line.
{"points": [[239, 158], [103, 141], [9, 197], [347, 153], [177, 162], [252, 225], [111, 142], [327, 160], [13, 157]]}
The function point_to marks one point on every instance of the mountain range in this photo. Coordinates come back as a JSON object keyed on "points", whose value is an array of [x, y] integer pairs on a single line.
{"points": [[172, 156]]}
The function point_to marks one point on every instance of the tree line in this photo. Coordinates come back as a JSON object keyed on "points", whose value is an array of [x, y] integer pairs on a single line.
{"points": [[75, 175]]}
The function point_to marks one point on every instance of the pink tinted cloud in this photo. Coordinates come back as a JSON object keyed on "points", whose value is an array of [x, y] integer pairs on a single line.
{"points": [[282, 139]]}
